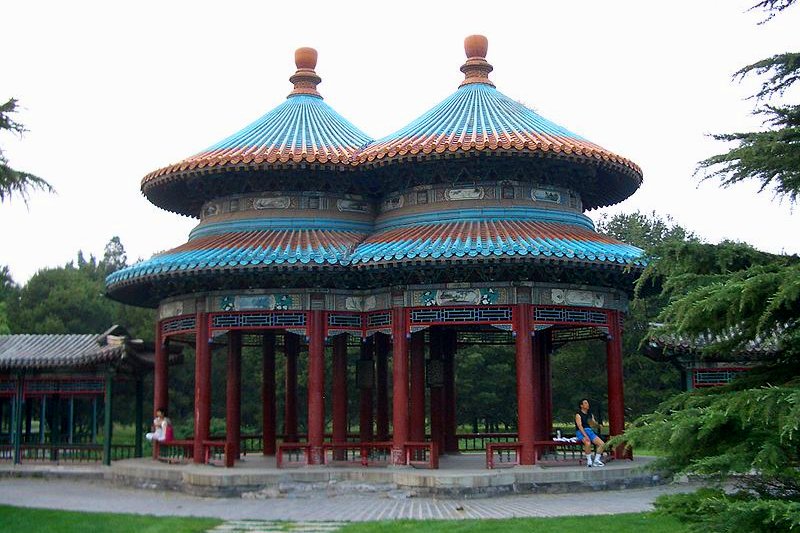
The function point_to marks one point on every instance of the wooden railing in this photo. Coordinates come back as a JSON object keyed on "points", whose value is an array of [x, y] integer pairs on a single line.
{"points": [[422, 454], [503, 454], [217, 452], [477, 442], [66, 453], [174, 451], [292, 454], [546, 452], [343, 454], [361, 454], [562, 453], [254, 442]]}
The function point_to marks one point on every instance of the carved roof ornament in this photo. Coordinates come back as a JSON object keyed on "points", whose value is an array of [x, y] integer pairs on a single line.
{"points": [[305, 79], [476, 69]]}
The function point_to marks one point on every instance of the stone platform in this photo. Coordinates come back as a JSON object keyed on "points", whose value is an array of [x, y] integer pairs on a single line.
{"points": [[458, 476]]}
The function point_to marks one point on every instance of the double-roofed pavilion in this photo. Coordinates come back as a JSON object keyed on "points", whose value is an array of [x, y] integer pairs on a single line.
{"points": [[467, 223]]}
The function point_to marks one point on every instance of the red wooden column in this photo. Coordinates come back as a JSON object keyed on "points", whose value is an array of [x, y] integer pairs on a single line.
{"points": [[416, 421], [400, 388], [524, 361], [450, 338], [340, 388], [547, 391], [161, 373], [366, 385], [436, 390], [616, 401], [202, 386], [233, 394], [381, 387], [268, 392], [291, 350], [316, 384], [537, 386]]}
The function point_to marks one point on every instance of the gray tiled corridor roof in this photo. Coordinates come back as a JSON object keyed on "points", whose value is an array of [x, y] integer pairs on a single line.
{"points": [[54, 351]]}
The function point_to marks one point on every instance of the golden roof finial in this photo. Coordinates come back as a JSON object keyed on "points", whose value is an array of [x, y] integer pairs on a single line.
{"points": [[476, 69], [305, 79]]}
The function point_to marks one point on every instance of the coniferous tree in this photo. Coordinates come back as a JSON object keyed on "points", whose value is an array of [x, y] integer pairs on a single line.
{"points": [[735, 296], [16, 182]]}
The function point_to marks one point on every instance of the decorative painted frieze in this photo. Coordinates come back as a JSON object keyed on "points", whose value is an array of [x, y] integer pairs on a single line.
{"points": [[274, 202], [353, 206], [211, 209], [546, 195], [455, 296], [273, 302], [170, 309], [575, 297], [471, 193], [279, 200], [361, 302], [393, 202], [579, 296], [488, 192]]}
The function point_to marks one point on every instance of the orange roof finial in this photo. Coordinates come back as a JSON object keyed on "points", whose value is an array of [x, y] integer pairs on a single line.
{"points": [[476, 69], [305, 79]]}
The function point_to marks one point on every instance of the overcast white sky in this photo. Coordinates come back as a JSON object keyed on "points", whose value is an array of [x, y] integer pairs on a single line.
{"points": [[112, 90]]}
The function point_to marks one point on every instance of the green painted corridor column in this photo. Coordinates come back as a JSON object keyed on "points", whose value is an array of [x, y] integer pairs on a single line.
{"points": [[139, 417], [17, 419], [107, 428]]}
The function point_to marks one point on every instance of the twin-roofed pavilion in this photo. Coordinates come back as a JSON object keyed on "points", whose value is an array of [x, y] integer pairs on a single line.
{"points": [[465, 225]]}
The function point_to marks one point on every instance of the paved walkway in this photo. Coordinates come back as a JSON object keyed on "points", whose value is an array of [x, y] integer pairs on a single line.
{"points": [[102, 497]]}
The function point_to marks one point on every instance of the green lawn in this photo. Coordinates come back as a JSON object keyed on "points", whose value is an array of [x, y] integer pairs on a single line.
{"points": [[23, 520], [621, 523]]}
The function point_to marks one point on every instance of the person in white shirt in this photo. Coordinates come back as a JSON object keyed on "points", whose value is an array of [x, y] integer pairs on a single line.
{"points": [[160, 425]]}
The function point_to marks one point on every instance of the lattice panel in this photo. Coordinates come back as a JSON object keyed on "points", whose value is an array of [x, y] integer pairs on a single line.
{"points": [[713, 377], [258, 320], [484, 337], [64, 386], [563, 336], [8, 387], [461, 315], [375, 320], [187, 323], [562, 315], [344, 321], [353, 334]]}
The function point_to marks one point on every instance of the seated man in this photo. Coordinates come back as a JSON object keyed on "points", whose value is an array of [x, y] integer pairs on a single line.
{"points": [[584, 419]]}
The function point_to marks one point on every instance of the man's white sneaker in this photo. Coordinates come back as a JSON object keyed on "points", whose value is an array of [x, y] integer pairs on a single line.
{"points": [[598, 462], [589, 464]]}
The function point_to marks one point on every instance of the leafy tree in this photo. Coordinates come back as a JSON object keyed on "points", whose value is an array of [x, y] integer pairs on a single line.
{"points": [[15, 181], [70, 299], [485, 384], [8, 288], [9, 291], [114, 256], [644, 230], [736, 295], [5, 329], [579, 368]]}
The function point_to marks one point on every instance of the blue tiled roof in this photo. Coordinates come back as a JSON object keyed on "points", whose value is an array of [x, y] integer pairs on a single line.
{"points": [[479, 117], [494, 238], [421, 242], [302, 129], [246, 249]]}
